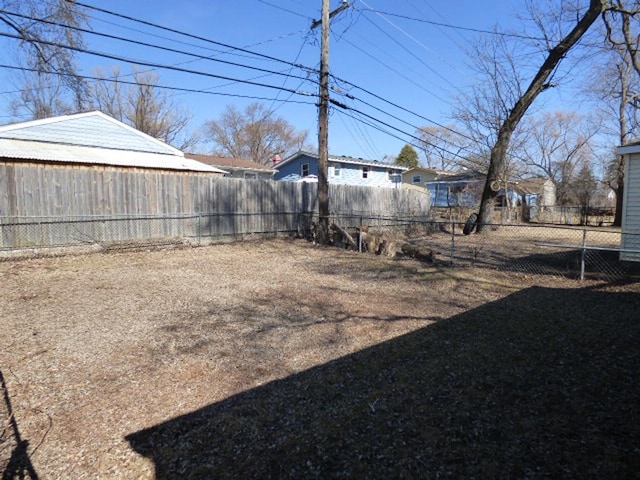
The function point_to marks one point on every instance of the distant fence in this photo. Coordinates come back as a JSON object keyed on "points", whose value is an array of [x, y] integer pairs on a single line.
{"points": [[564, 251], [595, 216]]}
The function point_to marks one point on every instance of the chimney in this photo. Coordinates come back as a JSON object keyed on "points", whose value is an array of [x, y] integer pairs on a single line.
{"points": [[276, 159]]}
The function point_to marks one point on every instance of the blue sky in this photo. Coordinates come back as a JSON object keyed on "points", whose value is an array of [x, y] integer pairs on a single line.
{"points": [[414, 64]]}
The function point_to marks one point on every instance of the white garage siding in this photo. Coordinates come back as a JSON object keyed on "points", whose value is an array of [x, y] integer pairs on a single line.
{"points": [[631, 207]]}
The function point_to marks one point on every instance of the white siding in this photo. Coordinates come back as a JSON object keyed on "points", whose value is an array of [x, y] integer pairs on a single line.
{"points": [[631, 209]]}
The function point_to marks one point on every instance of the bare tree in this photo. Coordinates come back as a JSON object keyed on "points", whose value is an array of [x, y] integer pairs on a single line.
{"points": [[138, 103], [443, 148], [555, 52], [49, 83], [41, 96], [615, 87], [583, 187], [557, 145], [623, 88], [483, 110], [253, 134]]}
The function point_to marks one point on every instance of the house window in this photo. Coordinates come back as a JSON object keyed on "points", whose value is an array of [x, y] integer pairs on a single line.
{"points": [[337, 169], [365, 172], [390, 174], [305, 170], [416, 179], [250, 176]]}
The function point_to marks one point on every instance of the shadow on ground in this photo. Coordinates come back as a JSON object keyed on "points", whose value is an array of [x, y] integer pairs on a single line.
{"points": [[541, 384], [15, 461]]}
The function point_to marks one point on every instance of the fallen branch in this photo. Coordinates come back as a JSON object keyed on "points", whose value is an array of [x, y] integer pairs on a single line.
{"points": [[345, 235]]}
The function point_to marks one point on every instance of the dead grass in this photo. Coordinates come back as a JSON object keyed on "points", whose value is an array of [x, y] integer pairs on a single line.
{"points": [[284, 360]]}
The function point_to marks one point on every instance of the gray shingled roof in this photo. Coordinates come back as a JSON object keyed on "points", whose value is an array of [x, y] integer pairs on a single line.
{"points": [[92, 138], [91, 129], [342, 159]]}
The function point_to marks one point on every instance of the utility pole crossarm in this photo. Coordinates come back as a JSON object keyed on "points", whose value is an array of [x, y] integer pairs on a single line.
{"points": [[316, 23]]}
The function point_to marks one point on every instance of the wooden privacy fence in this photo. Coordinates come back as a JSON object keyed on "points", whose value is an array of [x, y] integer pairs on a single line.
{"points": [[43, 206]]}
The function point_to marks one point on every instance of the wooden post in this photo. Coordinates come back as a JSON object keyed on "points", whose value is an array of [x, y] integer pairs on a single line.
{"points": [[323, 122], [323, 131]]}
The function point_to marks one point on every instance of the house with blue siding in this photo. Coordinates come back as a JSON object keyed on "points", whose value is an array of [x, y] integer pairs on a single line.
{"points": [[342, 170], [456, 189], [464, 189]]}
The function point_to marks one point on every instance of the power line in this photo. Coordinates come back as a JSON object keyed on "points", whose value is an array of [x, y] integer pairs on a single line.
{"points": [[456, 27], [270, 110], [397, 72], [345, 107], [196, 37], [179, 69], [376, 127], [402, 121], [411, 37], [429, 67], [402, 108], [444, 32], [142, 84], [285, 9], [160, 66], [355, 139], [145, 44], [368, 146], [133, 19], [166, 67], [223, 52]]}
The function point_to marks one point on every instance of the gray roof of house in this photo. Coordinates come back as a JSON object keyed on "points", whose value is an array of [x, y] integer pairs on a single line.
{"points": [[90, 129], [92, 138], [341, 159]]}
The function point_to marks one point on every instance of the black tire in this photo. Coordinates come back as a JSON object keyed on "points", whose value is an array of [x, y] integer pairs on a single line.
{"points": [[470, 224]]}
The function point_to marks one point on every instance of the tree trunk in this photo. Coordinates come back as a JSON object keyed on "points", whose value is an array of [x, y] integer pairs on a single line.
{"points": [[537, 86], [617, 219]]}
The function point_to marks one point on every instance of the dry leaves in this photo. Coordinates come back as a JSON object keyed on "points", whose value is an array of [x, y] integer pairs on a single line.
{"points": [[284, 360]]}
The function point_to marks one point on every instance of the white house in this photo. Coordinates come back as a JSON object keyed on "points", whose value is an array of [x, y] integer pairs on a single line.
{"points": [[631, 203]]}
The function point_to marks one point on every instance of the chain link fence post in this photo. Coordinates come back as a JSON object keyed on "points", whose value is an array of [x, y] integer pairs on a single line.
{"points": [[453, 237], [583, 254]]}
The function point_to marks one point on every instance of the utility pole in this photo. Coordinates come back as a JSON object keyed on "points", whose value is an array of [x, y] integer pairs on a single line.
{"points": [[323, 131], [323, 122]]}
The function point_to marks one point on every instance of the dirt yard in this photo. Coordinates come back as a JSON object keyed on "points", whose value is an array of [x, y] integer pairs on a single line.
{"points": [[281, 359]]}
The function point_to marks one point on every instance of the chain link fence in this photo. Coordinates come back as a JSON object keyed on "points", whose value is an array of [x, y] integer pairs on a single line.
{"points": [[562, 251], [566, 251], [35, 236]]}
